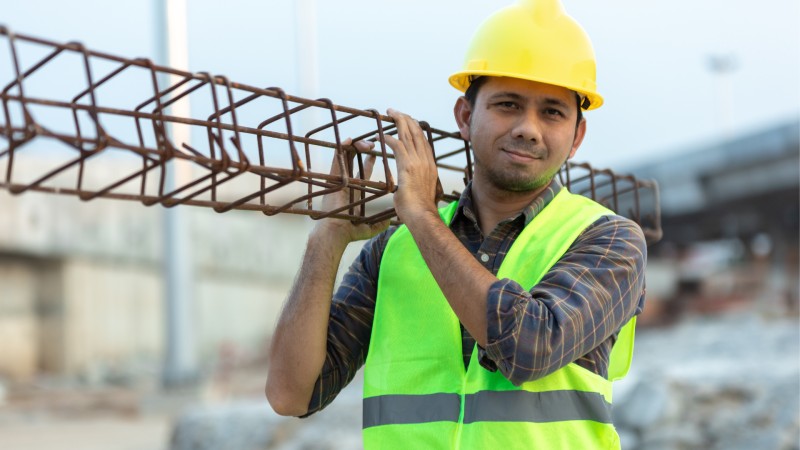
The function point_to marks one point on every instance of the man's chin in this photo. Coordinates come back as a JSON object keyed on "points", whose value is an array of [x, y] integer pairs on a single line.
{"points": [[520, 185]]}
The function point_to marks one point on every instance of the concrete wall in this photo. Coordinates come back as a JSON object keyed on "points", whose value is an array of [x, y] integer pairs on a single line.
{"points": [[18, 324], [81, 283], [111, 312]]}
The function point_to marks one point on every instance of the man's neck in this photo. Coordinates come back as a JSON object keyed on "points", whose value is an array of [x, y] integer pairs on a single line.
{"points": [[494, 205]]}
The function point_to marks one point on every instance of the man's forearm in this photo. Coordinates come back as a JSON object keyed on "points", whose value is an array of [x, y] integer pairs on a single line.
{"points": [[298, 347]]}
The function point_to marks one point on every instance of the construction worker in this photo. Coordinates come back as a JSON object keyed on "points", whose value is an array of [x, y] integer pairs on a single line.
{"points": [[489, 323]]}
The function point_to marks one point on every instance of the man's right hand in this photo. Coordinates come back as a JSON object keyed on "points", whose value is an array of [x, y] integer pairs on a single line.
{"points": [[341, 230]]}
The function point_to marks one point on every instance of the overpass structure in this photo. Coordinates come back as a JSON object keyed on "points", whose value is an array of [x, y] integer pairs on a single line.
{"points": [[732, 189]]}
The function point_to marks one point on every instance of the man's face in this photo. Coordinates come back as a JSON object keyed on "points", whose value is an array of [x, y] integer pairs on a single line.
{"points": [[521, 132]]}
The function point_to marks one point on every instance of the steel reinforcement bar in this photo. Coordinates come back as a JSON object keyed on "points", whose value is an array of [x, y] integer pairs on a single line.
{"points": [[94, 125]]}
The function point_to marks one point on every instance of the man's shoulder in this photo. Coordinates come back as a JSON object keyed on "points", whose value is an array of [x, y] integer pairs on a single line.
{"points": [[614, 228]]}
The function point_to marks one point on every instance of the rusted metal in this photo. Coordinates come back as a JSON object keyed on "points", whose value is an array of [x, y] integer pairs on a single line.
{"points": [[262, 149], [627, 195]]}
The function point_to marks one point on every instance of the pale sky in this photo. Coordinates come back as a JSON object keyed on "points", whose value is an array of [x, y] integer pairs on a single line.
{"points": [[653, 58]]}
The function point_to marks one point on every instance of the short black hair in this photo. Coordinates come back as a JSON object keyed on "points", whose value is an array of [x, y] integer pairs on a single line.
{"points": [[471, 94]]}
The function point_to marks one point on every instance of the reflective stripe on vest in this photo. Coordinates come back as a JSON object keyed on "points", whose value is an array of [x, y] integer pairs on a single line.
{"points": [[487, 406], [417, 393]]}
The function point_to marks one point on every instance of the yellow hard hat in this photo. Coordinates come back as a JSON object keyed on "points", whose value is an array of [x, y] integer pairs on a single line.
{"points": [[533, 40]]}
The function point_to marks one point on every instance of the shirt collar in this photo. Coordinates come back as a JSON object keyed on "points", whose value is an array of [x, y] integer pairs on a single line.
{"points": [[466, 208]]}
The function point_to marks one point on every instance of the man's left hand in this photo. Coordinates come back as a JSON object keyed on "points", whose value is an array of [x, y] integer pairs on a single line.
{"points": [[418, 179]]}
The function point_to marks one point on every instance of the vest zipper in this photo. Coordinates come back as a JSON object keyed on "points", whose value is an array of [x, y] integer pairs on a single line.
{"points": [[460, 424]]}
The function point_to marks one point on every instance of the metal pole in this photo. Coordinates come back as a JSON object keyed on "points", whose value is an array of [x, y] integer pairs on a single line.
{"points": [[305, 26], [723, 66], [180, 363]]}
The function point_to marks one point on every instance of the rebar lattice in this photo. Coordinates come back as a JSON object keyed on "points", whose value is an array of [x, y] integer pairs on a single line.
{"points": [[94, 125]]}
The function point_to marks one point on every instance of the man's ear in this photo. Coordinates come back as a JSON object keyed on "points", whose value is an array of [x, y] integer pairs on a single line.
{"points": [[580, 132], [463, 113]]}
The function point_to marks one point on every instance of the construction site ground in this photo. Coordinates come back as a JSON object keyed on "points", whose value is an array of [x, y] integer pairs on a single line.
{"points": [[58, 414]]}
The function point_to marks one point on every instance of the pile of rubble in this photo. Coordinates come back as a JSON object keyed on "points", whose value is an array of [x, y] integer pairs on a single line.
{"points": [[722, 382], [252, 425]]}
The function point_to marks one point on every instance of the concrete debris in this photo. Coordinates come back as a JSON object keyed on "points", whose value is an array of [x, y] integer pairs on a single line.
{"points": [[337, 427], [252, 425], [725, 382], [240, 426], [644, 406]]}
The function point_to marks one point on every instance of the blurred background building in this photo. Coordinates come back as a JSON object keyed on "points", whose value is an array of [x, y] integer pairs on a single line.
{"points": [[730, 219], [711, 113]]}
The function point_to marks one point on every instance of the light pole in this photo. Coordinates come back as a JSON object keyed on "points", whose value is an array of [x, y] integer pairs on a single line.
{"points": [[180, 360], [307, 61], [722, 67]]}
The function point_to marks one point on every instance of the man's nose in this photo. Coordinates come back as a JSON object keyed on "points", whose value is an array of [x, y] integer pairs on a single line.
{"points": [[527, 127]]}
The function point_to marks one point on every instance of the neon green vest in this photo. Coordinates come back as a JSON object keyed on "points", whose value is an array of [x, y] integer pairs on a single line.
{"points": [[417, 394]]}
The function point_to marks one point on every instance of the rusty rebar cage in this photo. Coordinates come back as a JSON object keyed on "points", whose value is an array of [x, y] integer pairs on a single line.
{"points": [[106, 129]]}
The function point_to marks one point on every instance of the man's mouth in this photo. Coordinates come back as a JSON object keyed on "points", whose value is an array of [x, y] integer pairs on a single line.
{"points": [[522, 155]]}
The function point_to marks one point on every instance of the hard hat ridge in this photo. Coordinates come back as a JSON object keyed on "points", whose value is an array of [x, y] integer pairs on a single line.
{"points": [[543, 11]]}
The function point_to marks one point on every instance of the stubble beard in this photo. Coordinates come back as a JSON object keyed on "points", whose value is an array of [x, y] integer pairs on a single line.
{"points": [[514, 181]]}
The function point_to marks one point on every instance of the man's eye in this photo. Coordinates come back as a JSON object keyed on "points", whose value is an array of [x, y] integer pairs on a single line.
{"points": [[508, 105], [553, 112]]}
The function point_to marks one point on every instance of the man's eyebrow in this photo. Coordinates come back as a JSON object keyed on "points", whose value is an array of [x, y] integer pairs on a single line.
{"points": [[506, 95], [555, 102], [510, 95]]}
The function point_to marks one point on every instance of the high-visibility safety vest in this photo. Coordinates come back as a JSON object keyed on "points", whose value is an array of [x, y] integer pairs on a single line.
{"points": [[417, 393]]}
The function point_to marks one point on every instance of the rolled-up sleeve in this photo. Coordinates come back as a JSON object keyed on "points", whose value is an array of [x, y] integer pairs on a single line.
{"points": [[581, 302]]}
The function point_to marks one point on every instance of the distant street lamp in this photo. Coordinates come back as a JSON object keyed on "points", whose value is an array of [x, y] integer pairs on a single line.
{"points": [[722, 66]]}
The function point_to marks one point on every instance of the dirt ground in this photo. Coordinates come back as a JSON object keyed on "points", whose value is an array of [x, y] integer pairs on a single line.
{"points": [[141, 433], [67, 414]]}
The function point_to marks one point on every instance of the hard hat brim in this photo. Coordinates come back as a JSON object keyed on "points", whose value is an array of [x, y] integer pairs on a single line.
{"points": [[461, 81]]}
